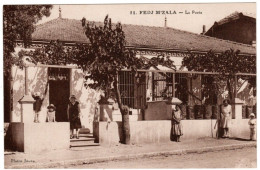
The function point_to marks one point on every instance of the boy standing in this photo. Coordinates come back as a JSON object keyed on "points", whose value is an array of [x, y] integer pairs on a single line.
{"points": [[37, 106]]}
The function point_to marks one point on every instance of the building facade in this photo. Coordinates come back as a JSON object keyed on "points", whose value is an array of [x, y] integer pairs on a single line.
{"points": [[143, 94], [238, 27]]}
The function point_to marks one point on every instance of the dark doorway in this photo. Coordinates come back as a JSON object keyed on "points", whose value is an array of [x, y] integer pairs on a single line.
{"points": [[59, 91]]}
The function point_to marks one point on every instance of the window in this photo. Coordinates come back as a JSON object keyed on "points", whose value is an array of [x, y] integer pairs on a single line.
{"points": [[126, 88], [132, 88], [181, 87], [162, 86]]}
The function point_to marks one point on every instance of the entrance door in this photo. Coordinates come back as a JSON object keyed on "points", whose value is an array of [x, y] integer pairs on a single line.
{"points": [[59, 91]]}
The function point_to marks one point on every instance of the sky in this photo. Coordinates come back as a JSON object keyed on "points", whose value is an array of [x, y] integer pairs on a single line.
{"points": [[206, 13]]}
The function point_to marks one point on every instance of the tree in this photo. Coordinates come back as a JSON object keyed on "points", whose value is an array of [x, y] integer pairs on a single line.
{"points": [[227, 64], [102, 58], [105, 56], [19, 23]]}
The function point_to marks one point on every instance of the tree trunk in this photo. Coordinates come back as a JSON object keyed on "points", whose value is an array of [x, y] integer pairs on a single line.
{"points": [[230, 89], [190, 112], [125, 115], [231, 84]]}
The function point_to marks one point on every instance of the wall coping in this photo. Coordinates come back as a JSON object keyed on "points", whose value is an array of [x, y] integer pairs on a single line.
{"points": [[238, 101]]}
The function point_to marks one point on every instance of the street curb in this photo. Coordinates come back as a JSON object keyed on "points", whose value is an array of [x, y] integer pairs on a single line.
{"points": [[130, 156]]}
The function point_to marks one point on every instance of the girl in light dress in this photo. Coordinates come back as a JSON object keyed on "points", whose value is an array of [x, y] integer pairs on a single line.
{"points": [[51, 113], [252, 125]]}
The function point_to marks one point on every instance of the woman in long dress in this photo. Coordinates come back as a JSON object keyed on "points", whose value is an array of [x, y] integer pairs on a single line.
{"points": [[73, 112], [176, 123], [225, 119]]}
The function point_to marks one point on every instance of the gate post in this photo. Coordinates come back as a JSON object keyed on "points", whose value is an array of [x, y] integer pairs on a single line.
{"points": [[27, 113], [238, 108]]}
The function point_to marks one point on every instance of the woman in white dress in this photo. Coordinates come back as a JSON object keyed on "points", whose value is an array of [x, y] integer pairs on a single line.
{"points": [[252, 125], [225, 119]]}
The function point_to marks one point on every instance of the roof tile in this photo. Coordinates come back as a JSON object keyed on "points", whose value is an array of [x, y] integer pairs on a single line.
{"points": [[140, 36]]}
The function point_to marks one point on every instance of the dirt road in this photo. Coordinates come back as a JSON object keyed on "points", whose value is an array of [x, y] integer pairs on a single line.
{"points": [[239, 158]]}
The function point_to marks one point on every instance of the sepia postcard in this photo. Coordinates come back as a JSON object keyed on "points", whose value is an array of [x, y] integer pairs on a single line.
{"points": [[152, 85]]}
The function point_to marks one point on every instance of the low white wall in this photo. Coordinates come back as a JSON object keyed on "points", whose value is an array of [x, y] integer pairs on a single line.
{"points": [[135, 116], [38, 137], [108, 112], [159, 131]]}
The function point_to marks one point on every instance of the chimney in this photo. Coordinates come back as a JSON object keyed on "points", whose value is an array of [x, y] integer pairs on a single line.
{"points": [[165, 22], [203, 29], [59, 12]]}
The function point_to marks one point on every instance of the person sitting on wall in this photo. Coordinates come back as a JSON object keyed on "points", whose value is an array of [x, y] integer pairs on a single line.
{"points": [[51, 113], [225, 118], [73, 112], [176, 122]]}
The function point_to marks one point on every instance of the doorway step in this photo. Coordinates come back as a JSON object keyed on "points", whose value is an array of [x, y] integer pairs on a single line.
{"points": [[85, 140]]}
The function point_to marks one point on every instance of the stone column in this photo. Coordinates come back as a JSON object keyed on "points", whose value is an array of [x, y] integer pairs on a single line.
{"points": [[238, 108], [27, 113], [102, 114], [106, 109]]}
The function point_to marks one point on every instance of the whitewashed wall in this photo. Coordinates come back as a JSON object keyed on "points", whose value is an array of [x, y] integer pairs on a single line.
{"points": [[37, 81], [87, 97]]}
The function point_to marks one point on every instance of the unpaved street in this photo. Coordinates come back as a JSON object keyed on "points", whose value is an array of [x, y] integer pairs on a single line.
{"points": [[239, 158]]}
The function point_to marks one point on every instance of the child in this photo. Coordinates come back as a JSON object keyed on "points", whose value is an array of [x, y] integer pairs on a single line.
{"points": [[252, 125], [37, 106], [51, 113]]}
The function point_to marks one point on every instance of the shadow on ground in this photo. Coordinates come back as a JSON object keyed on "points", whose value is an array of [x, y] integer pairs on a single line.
{"points": [[240, 139]]}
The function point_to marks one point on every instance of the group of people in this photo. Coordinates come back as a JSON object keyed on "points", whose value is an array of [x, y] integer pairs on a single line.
{"points": [[224, 121], [73, 113]]}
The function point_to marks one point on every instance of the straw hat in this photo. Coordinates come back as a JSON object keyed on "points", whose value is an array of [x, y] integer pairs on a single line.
{"points": [[73, 96], [252, 115], [51, 106]]}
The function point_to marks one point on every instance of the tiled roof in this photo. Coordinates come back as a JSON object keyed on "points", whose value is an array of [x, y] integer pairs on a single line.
{"points": [[234, 16], [140, 36]]}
